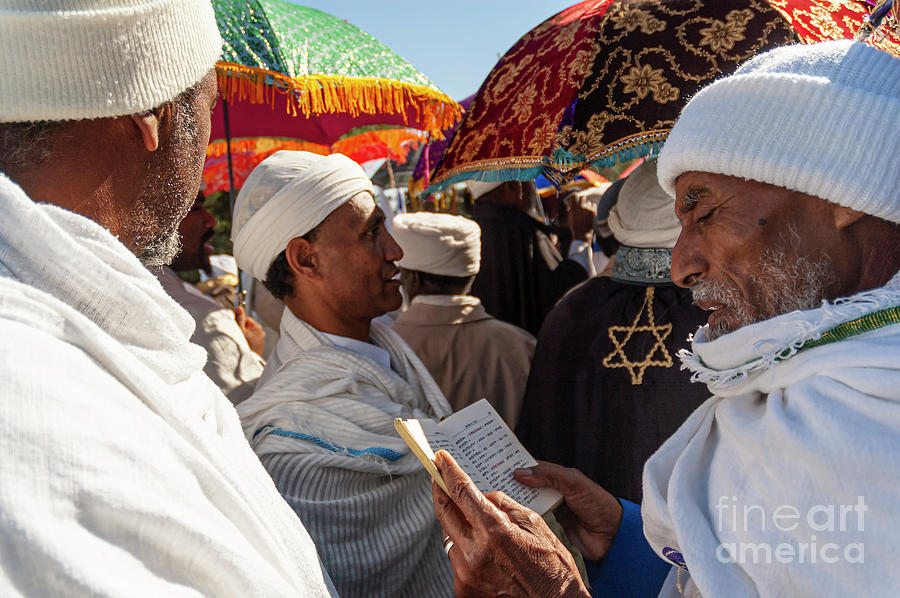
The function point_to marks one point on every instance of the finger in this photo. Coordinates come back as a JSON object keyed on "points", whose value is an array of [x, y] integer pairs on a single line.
{"points": [[240, 316], [517, 513], [464, 494], [448, 515], [565, 479]]}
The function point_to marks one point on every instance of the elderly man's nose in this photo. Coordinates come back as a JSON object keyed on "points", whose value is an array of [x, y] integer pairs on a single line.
{"points": [[688, 264]]}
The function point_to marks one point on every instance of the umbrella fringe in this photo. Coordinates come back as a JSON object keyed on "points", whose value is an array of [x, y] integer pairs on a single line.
{"points": [[559, 169], [218, 147], [326, 94]]}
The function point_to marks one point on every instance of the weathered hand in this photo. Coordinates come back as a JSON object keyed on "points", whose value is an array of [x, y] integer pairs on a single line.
{"points": [[253, 332], [500, 548], [590, 516]]}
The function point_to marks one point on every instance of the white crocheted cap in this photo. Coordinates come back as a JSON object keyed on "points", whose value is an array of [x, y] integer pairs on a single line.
{"points": [[441, 244], [83, 59], [822, 119]]}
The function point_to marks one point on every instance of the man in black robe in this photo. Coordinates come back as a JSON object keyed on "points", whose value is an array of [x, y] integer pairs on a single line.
{"points": [[605, 388], [523, 274]]}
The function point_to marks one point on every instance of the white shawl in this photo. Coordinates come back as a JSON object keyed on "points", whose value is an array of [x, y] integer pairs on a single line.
{"points": [[321, 420], [124, 470], [784, 483]]}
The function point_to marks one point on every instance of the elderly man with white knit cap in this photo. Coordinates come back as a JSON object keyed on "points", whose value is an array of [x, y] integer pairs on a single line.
{"points": [[124, 469], [321, 418], [605, 389], [471, 354], [786, 178]]}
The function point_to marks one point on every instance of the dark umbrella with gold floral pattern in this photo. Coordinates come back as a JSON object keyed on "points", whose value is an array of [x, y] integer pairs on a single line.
{"points": [[604, 80]]}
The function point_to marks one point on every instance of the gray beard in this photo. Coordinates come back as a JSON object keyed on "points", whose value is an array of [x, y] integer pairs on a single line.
{"points": [[786, 284], [161, 251]]}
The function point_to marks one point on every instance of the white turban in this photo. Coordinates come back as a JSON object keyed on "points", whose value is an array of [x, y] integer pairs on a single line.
{"points": [[438, 243], [479, 188], [286, 196], [644, 215]]}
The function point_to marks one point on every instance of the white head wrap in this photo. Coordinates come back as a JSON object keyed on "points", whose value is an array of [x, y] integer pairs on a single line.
{"points": [[286, 196], [83, 59], [439, 244], [644, 215], [821, 119], [479, 188]]}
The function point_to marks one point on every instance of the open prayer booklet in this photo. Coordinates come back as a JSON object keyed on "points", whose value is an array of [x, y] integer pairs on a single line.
{"points": [[484, 447]]}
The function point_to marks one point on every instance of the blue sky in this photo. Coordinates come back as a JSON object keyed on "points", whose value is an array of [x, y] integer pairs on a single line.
{"points": [[454, 42]]}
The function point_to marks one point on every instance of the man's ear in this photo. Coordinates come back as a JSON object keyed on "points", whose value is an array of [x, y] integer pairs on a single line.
{"points": [[844, 217], [148, 126], [302, 258]]}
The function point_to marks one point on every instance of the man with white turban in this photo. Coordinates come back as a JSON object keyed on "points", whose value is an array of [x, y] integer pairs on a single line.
{"points": [[785, 176], [321, 418], [123, 469], [471, 354], [605, 389]]}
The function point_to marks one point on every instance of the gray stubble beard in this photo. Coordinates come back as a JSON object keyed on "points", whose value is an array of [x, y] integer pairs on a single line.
{"points": [[786, 284]]}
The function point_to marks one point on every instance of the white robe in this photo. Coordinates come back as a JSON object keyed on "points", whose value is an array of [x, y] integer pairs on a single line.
{"points": [[321, 421], [124, 469], [231, 364], [785, 482]]}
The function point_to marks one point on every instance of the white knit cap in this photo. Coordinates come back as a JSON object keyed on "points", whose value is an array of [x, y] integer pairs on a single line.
{"points": [[479, 188], [821, 119], [287, 195], [83, 59], [644, 215], [439, 244]]}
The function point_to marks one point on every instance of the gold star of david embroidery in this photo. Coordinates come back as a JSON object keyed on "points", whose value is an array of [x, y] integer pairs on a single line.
{"points": [[620, 335]]}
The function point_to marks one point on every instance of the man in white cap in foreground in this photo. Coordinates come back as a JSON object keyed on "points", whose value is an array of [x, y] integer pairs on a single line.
{"points": [[470, 353], [124, 469], [321, 419], [782, 483]]}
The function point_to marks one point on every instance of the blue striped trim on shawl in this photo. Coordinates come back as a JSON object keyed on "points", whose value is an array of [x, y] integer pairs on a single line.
{"points": [[384, 453]]}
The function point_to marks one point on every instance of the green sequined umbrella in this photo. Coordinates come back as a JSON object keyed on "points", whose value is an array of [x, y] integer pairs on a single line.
{"points": [[301, 60]]}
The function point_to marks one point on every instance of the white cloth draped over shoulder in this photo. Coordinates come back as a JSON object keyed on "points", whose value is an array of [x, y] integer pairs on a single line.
{"points": [[124, 469], [321, 421], [784, 483]]}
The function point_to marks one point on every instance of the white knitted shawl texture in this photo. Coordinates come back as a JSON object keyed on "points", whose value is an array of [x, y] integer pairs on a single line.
{"points": [[790, 430], [321, 421], [124, 470]]}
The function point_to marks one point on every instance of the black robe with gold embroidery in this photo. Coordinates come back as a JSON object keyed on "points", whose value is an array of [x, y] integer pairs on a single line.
{"points": [[606, 388]]}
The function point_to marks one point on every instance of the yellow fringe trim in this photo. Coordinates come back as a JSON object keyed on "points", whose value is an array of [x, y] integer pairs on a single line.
{"points": [[329, 94], [263, 145]]}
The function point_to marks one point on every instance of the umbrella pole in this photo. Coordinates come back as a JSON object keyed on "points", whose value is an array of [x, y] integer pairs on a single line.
{"points": [[240, 286]]}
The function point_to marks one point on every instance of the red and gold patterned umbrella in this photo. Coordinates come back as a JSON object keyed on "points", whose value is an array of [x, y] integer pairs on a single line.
{"points": [[604, 80]]}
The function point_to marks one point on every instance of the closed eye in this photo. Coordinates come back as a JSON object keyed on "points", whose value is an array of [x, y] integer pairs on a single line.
{"points": [[707, 216]]}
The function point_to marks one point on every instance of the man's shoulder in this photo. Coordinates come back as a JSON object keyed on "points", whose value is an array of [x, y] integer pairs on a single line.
{"points": [[504, 331]]}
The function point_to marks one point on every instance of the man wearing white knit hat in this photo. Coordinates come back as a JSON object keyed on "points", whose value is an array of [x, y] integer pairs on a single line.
{"points": [[785, 176], [125, 470], [321, 418], [471, 354]]}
